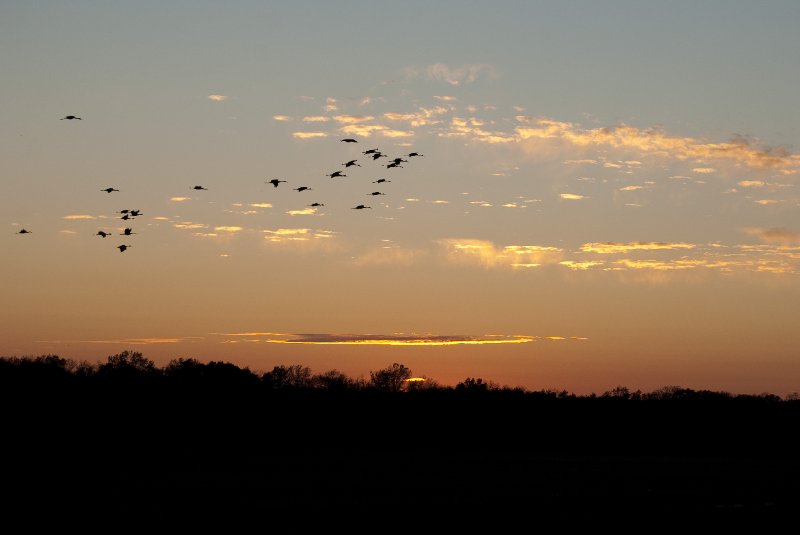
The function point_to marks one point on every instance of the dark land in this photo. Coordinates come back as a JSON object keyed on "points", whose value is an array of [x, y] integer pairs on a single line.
{"points": [[126, 445]]}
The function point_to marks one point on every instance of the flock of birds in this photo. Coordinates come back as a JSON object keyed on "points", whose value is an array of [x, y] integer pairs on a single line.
{"points": [[374, 154]]}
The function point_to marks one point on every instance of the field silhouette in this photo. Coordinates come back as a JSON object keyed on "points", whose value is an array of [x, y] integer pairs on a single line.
{"points": [[126, 443]]}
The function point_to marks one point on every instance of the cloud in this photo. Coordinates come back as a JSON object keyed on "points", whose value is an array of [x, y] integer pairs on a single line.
{"points": [[308, 135], [485, 253], [384, 339], [124, 341], [752, 183], [422, 117], [316, 119], [572, 196], [445, 98], [282, 118], [614, 248], [353, 119], [261, 205], [67, 232], [228, 229], [391, 256], [778, 235], [304, 211], [767, 202], [189, 226], [79, 216], [362, 130], [217, 98], [580, 266], [704, 170], [179, 199], [467, 73], [630, 188]]}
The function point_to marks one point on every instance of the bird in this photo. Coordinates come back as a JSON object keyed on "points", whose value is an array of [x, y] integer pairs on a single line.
{"points": [[275, 182], [380, 181], [335, 174], [134, 213], [360, 207], [398, 161], [109, 190], [393, 164], [412, 154], [23, 231], [376, 193], [315, 204], [370, 151], [103, 234], [351, 162], [70, 118], [125, 217], [122, 248], [302, 188], [199, 188], [378, 155], [127, 232], [349, 140]]}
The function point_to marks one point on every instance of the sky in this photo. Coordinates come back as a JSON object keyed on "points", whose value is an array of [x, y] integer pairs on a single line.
{"points": [[605, 193]]}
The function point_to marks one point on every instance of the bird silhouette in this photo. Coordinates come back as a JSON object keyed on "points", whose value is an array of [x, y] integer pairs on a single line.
{"points": [[393, 164], [412, 154], [127, 232], [134, 213], [350, 163], [360, 207], [335, 174], [380, 181], [275, 182], [103, 234], [122, 248], [199, 188], [370, 151], [349, 140], [376, 193], [125, 217], [302, 188], [71, 117], [378, 155], [315, 204], [109, 190], [23, 231], [398, 161]]}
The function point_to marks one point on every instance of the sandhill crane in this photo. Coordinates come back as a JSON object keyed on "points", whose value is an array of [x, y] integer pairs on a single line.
{"points": [[380, 181], [23, 231], [200, 188], [398, 161], [349, 140], [302, 188], [103, 234], [335, 174], [134, 213], [350, 163], [360, 207], [378, 155], [109, 190], [376, 193], [122, 248], [390, 165], [370, 151], [315, 204], [125, 217], [127, 232], [275, 182], [412, 154], [70, 118]]}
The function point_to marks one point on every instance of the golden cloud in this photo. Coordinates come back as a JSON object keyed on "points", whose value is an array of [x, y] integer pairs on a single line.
{"points": [[179, 199], [282, 118], [304, 211], [779, 235], [217, 98], [79, 216], [261, 205], [487, 254], [572, 196], [353, 119], [614, 248], [308, 135], [228, 229], [316, 119], [752, 183]]}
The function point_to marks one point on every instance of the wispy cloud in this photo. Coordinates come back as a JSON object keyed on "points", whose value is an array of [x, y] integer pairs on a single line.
{"points": [[353, 119], [316, 119], [217, 98], [189, 225], [383, 339], [572, 196], [615, 248], [309, 135], [463, 74], [124, 341], [261, 205], [304, 211], [228, 229], [79, 216], [778, 235], [179, 199], [281, 118], [485, 253]]}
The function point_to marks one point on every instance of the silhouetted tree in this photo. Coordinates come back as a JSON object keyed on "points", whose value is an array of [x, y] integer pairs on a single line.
{"points": [[332, 380], [471, 384], [391, 379], [128, 366], [281, 377]]}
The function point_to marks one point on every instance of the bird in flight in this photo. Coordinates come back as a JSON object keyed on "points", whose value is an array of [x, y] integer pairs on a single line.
{"points": [[412, 154], [125, 217], [199, 188], [275, 182], [393, 164], [103, 234], [109, 190], [127, 232], [350, 163], [23, 231], [378, 155], [315, 204], [71, 117], [398, 161], [370, 151], [380, 181], [349, 140], [122, 248], [360, 207], [335, 174], [376, 193], [302, 188], [134, 213]]}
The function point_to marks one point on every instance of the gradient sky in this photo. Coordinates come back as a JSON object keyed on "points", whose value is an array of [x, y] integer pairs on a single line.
{"points": [[608, 192]]}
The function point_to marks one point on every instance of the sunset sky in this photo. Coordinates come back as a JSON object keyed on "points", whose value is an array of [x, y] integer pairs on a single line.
{"points": [[608, 193]]}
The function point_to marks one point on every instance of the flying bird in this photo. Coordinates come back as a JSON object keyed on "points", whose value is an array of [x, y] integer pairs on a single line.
{"points": [[103, 234], [315, 204], [378, 155], [275, 182], [398, 161], [360, 207], [23, 231], [109, 190], [349, 140], [380, 181], [134, 213], [376, 193], [127, 232], [199, 188], [71, 117], [393, 164], [370, 151], [412, 154], [335, 174], [351, 162], [125, 217], [122, 248], [302, 188]]}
